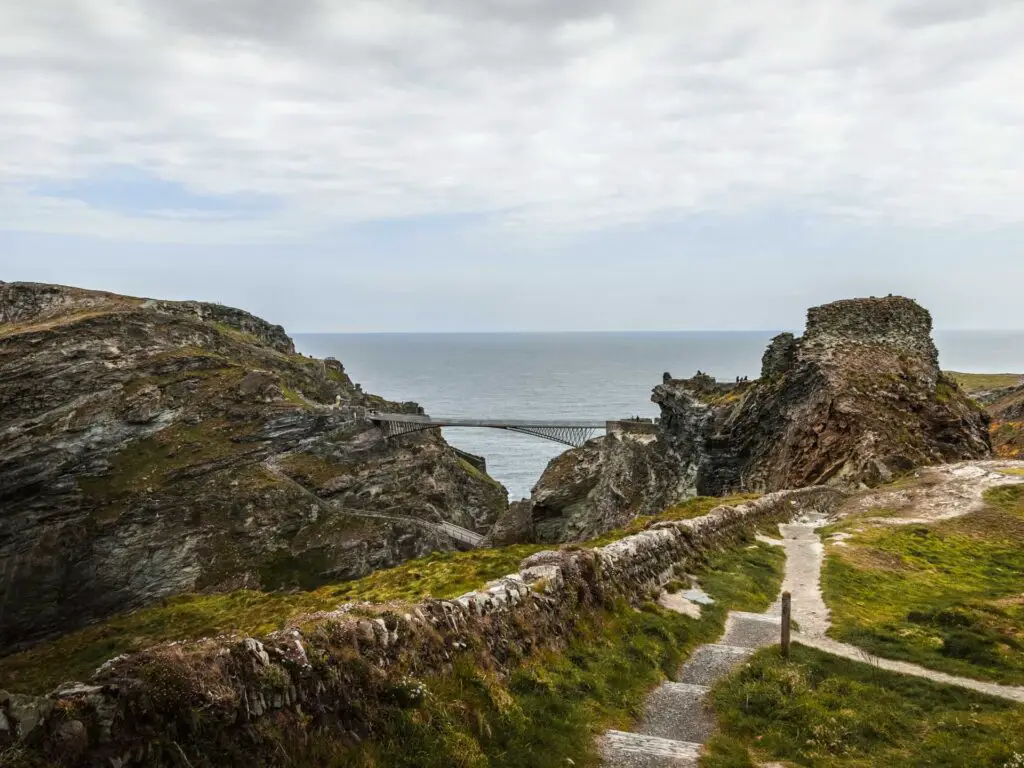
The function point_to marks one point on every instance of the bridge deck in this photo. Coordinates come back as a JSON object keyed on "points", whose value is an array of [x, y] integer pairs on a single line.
{"points": [[571, 432], [456, 421]]}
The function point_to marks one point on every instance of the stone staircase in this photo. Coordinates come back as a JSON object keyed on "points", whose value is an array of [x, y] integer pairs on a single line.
{"points": [[677, 718]]}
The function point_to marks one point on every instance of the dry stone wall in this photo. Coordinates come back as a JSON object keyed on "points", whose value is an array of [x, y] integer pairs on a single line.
{"points": [[221, 701]]}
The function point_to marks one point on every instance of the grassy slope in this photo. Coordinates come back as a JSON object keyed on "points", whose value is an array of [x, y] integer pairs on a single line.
{"points": [[977, 382], [818, 710], [440, 575], [949, 596], [552, 708]]}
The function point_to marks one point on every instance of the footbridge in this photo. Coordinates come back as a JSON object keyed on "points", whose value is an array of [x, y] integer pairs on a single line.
{"points": [[571, 432]]}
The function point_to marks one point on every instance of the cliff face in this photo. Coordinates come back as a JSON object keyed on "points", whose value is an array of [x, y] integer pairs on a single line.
{"points": [[604, 484], [1007, 412], [857, 399], [150, 447]]}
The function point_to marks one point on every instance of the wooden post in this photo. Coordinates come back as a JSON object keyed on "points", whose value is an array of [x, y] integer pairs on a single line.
{"points": [[787, 613]]}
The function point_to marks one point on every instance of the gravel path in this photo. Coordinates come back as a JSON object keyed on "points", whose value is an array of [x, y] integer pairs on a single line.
{"points": [[834, 647], [804, 556], [947, 492], [677, 718], [936, 493]]}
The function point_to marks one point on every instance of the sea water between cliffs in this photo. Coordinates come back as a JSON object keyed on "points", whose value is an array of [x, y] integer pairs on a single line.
{"points": [[573, 375]]}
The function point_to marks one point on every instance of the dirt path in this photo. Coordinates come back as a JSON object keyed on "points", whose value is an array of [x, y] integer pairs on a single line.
{"points": [[944, 493], [935, 493], [678, 719], [846, 651]]}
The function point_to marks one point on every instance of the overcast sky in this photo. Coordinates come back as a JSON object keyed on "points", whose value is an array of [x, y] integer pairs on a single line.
{"points": [[518, 164]]}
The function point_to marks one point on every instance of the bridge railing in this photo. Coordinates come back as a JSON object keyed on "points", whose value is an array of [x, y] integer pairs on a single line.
{"points": [[571, 432]]}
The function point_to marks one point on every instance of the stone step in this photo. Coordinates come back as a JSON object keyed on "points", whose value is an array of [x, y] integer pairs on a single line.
{"points": [[752, 630], [635, 750], [710, 663], [678, 711]]}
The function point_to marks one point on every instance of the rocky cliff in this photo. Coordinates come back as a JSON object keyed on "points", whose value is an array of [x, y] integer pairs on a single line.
{"points": [[1006, 408], [856, 400], [149, 448]]}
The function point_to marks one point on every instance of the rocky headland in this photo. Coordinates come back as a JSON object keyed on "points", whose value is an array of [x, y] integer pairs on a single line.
{"points": [[1006, 408], [854, 402], [152, 448], [149, 448]]}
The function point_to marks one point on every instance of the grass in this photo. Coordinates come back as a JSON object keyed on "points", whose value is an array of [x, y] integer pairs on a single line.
{"points": [[745, 575], [547, 713], [76, 655], [825, 712], [473, 472], [686, 510], [152, 462], [979, 382], [949, 596]]}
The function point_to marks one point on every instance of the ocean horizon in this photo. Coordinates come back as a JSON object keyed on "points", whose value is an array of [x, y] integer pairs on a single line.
{"points": [[573, 374]]}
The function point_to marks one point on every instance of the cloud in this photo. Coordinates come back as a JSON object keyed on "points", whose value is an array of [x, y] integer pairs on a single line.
{"points": [[538, 116]]}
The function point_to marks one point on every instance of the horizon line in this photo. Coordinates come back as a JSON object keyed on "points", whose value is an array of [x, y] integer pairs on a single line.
{"points": [[607, 331]]}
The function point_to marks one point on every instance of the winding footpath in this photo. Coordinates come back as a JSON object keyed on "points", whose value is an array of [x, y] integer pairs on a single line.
{"points": [[677, 718]]}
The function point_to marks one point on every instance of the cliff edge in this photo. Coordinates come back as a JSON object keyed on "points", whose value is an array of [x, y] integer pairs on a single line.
{"points": [[858, 399], [149, 448]]}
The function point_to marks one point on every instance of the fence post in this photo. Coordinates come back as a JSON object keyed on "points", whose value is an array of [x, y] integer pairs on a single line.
{"points": [[787, 612]]}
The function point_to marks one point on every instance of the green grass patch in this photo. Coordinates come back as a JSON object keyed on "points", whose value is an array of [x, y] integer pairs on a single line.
{"points": [[949, 596], [76, 655], [152, 462], [550, 710], [475, 473], [822, 711], [687, 510], [546, 712], [979, 382], [747, 579]]}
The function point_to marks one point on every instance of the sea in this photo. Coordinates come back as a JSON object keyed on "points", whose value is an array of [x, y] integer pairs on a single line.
{"points": [[573, 375]]}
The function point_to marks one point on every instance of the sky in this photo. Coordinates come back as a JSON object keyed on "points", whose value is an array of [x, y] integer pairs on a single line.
{"points": [[483, 165]]}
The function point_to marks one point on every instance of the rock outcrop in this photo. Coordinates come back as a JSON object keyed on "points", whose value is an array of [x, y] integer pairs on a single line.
{"points": [[858, 399], [1006, 408], [597, 487], [149, 448]]}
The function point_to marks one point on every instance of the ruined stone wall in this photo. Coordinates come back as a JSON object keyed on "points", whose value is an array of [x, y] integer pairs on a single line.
{"points": [[226, 700], [893, 321]]}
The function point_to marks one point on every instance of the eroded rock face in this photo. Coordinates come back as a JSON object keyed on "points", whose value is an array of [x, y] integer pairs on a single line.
{"points": [[1006, 407], [601, 486], [854, 401], [149, 448]]}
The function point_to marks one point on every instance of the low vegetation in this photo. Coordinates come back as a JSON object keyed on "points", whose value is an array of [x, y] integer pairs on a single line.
{"points": [[980, 382], [686, 510], [543, 713], [821, 711], [549, 711], [76, 655], [949, 595], [439, 575], [1008, 439]]}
